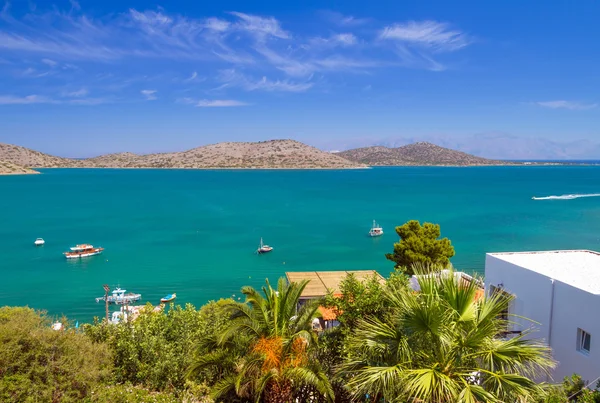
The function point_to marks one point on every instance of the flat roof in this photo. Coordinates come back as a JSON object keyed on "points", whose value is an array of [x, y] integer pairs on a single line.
{"points": [[322, 281], [578, 268]]}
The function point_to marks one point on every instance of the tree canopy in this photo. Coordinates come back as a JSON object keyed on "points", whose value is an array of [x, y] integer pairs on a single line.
{"points": [[420, 244], [443, 345]]}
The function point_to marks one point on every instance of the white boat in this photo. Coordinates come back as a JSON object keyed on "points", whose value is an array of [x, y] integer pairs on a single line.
{"points": [[262, 248], [120, 296], [376, 230], [39, 242], [83, 250]]}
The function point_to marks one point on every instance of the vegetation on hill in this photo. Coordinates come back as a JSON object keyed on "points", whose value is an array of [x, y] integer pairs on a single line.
{"points": [[421, 153], [440, 345], [264, 154], [8, 168], [420, 245]]}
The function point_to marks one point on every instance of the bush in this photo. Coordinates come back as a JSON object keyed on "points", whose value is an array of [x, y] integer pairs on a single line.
{"points": [[38, 364], [157, 349]]}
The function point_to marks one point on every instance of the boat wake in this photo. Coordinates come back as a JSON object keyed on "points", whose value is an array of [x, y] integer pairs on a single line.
{"points": [[567, 197]]}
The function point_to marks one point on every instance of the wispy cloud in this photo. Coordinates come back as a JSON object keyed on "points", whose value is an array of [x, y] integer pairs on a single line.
{"points": [[191, 78], [566, 105], [434, 35], [41, 99], [416, 42], [213, 103], [345, 20], [82, 92], [49, 62], [149, 94], [344, 39], [29, 99], [233, 78], [272, 57]]}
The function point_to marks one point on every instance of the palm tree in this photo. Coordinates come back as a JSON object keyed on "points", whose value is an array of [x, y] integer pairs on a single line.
{"points": [[280, 337], [443, 344]]}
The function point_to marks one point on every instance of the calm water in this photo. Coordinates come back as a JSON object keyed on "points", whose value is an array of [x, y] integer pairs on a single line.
{"points": [[194, 232]]}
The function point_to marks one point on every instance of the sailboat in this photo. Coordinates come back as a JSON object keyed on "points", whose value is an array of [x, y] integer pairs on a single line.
{"points": [[262, 248], [376, 230]]}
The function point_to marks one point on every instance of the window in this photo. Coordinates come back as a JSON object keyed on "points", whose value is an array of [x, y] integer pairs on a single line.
{"points": [[584, 341]]}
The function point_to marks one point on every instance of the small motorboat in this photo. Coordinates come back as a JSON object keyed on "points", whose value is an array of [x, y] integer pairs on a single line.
{"points": [[376, 230], [39, 242], [262, 248], [168, 298], [120, 297], [83, 250]]}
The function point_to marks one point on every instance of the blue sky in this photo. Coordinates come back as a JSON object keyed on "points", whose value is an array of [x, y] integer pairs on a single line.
{"points": [[91, 77]]}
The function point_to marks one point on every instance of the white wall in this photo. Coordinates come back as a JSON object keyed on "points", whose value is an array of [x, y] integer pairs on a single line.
{"points": [[573, 308], [532, 293]]}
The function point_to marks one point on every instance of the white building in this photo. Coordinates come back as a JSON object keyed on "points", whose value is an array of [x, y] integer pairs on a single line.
{"points": [[561, 291]]}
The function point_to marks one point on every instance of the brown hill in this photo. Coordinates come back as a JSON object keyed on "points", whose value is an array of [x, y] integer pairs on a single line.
{"points": [[8, 168], [421, 153], [33, 159], [289, 154]]}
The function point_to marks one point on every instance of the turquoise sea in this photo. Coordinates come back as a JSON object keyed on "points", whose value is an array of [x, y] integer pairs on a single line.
{"points": [[195, 232]]}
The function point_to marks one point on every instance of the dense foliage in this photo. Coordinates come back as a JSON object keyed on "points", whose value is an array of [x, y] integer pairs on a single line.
{"points": [[442, 345], [274, 362], [38, 364], [420, 244]]}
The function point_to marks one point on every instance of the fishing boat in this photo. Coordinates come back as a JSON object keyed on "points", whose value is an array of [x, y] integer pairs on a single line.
{"points": [[120, 296], [39, 242], [83, 250], [262, 248], [168, 298], [376, 230]]}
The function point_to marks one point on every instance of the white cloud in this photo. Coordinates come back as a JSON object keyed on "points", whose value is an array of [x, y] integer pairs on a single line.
{"points": [[345, 20], [566, 105], [344, 40], [430, 34], [219, 103], [233, 78], [149, 94], [260, 27], [76, 94], [49, 62], [191, 78], [29, 99]]}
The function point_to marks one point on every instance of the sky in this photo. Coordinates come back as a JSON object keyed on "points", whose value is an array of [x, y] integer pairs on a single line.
{"points": [[500, 78]]}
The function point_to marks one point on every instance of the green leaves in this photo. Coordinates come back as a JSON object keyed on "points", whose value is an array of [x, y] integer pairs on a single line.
{"points": [[420, 244], [440, 345]]}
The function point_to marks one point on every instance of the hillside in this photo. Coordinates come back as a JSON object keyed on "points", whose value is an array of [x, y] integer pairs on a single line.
{"points": [[33, 159], [8, 168], [421, 153], [289, 154]]}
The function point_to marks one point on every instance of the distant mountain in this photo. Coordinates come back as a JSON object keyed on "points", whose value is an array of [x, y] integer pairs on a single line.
{"points": [[421, 153], [493, 145], [8, 168], [265, 154]]}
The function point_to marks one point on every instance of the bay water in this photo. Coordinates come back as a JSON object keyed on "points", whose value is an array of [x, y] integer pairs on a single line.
{"points": [[194, 232]]}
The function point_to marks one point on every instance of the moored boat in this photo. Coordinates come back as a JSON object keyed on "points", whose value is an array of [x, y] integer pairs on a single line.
{"points": [[120, 296], [39, 242], [83, 250], [262, 248], [376, 230], [168, 298]]}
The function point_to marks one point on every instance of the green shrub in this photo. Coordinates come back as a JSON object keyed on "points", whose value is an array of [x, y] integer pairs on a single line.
{"points": [[38, 364]]}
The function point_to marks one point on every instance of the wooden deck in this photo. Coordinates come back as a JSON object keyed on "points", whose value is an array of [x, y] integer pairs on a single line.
{"points": [[320, 282]]}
